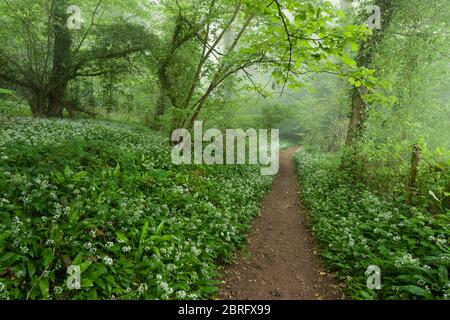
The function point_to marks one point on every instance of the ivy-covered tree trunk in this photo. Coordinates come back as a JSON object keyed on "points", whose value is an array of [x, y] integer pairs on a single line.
{"points": [[167, 97], [61, 60], [109, 100], [38, 102], [91, 96], [161, 104], [358, 116]]}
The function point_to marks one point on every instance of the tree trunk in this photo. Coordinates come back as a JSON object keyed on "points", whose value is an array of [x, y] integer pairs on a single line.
{"points": [[166, 98], [365, 56], [56, 101], [356, 125], [38, 102], [161, 103]]}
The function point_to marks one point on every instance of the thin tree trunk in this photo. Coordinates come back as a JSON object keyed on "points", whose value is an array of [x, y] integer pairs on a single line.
{"points": [[61, 61], [38, 103], [165, 84], [364, 59], [356, 124], [162, 100]]}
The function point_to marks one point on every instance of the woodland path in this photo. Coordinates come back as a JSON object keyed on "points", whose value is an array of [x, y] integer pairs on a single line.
{"points": [[280, 261]]}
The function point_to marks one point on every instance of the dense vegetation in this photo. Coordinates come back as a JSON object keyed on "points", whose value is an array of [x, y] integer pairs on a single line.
{"points": [[380, 195], [358, 228]]}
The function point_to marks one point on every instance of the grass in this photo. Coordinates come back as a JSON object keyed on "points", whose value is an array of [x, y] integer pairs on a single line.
{"points": [[106, 197]]}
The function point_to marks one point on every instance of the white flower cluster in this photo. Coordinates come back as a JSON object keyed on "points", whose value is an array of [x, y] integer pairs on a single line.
{"points": [[440, 240], [108, 260], [164, 286], [3, 292], [186, 230], [143, 287]]}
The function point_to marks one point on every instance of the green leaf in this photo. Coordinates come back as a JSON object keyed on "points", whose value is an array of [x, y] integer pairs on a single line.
{"points": [[7, 92], [117, 170], [86, 283], [347, 60], [443, 274], [98, 270], [100, 283], [31, 268], [84, 266], [300, 17], [48, 259], [142, 241], [77, 259], [121, 236], [433, 195], [160, 227]]}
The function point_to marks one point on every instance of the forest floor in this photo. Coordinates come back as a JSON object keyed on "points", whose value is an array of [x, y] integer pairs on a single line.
{"points": [[281, 260]]}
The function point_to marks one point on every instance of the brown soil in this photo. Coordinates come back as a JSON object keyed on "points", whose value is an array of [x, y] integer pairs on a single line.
{"points": [[280, 262]]}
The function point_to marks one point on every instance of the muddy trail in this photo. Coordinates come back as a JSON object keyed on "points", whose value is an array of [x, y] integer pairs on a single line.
{"points": [[281, 261]]}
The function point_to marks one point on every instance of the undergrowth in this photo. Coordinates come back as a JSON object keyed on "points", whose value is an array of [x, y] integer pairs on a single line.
{"points": [[107, 198]]}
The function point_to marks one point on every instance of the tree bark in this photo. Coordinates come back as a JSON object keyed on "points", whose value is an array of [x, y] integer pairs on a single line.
{"points": [[357, 120], [412, 184], [61, 61], [161, 104]]}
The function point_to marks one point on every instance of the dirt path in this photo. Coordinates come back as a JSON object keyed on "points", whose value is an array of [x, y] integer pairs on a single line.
{"points": [[281, 260]]}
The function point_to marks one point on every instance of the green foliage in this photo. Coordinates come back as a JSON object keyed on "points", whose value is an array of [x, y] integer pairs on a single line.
{"points": [[107, 197], [418, 39], [363, 208], [385, 169], [357, 228], [274, 116], [7, 92]]}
